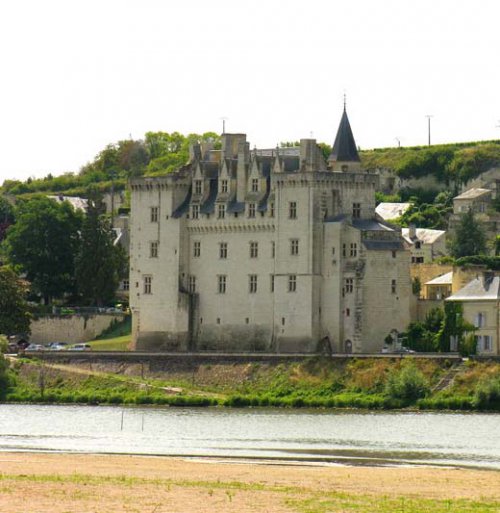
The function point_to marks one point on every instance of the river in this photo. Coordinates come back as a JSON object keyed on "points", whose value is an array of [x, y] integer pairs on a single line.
{"points": [[371, 438]]}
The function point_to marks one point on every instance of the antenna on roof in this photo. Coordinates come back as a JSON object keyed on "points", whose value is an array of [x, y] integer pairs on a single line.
{"points": [[345, 100], [224, 119]]}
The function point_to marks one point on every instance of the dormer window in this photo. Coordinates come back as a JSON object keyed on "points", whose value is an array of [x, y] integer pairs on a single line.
{"points": [[255, 185], [418, 244], [198, 186], [251, 210], [221, 211], [195, 211], [223, 186]]}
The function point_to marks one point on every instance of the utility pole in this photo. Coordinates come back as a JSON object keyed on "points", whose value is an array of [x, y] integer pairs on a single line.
{"points": [[429, 116]]}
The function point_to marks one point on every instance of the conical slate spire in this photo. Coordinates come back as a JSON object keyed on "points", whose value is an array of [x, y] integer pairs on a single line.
{"points": [[344, 148]]}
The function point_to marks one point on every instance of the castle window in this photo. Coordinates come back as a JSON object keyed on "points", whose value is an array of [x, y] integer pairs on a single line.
{"points": [[223, 250], [195, 211], [198, 187], [273, 249], [393, 254], [154, 214], [221, 283], [221, 211], [218, 320], [272, 282], [148, 280], [247, 320], [196, 248], [354, 249], [418, 244], [356, 210], [393, 286], [125, 285], [153, 249], [252, 283], [347, 312], [251, 210], [192, 284], [344, 250], [348, 285], [486, 342], [223, 186], [255, 184], [333, 251], [271, 209], [254, 249], [292, 283], [294, 247], [292, 210]]}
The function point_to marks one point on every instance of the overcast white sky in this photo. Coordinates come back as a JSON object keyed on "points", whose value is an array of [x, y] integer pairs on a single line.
{"points": [[77, 75]]}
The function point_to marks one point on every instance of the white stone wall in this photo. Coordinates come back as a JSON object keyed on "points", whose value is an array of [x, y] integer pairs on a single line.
{"points": [[72, 329]]}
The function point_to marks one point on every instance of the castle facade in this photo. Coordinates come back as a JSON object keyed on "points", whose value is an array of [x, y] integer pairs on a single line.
{"points": [[265, 250]]}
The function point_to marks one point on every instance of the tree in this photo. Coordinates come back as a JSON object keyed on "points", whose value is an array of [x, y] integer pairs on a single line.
{"points": [[42, 244], [469, 238], [14, 311], [6, 216], [99, 264]]}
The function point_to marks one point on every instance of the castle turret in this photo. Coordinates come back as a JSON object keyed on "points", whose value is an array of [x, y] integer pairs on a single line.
{"points": [[344, 156]]}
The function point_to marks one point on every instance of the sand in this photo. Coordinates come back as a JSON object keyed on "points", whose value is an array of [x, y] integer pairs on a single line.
{"points": [[60, 483]]}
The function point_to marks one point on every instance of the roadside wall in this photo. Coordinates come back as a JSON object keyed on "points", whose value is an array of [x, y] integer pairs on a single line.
{"points": [[72, 329]]}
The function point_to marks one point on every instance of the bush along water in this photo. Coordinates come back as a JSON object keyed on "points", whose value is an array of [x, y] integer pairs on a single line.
{"points": [[313, 383]]}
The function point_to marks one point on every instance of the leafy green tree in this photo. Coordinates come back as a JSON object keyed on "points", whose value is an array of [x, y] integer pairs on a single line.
{"points": [[42, 243], [453, 324], [6, 216], [99, 263], [14, 311], [469, 238]]}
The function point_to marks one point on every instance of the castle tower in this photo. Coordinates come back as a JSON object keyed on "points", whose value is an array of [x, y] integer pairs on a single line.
{"points": [[344, 156]]}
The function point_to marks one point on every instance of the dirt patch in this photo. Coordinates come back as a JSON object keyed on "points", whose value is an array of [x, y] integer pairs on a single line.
{"points": [[94, 483]]}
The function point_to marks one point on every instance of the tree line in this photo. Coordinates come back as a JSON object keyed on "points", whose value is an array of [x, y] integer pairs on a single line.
{"points": [[54, 252]]}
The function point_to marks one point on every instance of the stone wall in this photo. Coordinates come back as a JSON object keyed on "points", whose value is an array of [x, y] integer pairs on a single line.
{"points": [[72, 329]]}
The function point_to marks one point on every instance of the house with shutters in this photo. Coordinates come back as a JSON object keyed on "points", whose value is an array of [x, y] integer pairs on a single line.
{"points": [[271, 250]]}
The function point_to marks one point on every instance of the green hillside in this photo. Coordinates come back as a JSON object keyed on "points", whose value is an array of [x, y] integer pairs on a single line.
{"points": [[160, 153]]}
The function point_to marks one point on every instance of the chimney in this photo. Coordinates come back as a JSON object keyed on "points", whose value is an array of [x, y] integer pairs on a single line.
{"points": [[308, 155], [412, 231]]}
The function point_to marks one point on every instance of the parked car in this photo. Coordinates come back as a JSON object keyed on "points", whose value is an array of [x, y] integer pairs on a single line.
{"points": [[35, 347], [58, 346], [81, 347]]}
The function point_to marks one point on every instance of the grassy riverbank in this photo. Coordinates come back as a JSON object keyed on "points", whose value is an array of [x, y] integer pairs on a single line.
{"points": [[315, 382]]}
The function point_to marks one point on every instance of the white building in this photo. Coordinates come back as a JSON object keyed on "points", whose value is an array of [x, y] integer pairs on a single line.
{"points": [[265, 250], [425, 244]]}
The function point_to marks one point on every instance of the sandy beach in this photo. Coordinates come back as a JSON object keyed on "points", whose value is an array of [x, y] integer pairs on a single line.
{"points": [[60, 483]]}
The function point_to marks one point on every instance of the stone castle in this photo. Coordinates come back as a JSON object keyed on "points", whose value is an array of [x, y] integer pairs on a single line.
{"points": [[265, 250]]}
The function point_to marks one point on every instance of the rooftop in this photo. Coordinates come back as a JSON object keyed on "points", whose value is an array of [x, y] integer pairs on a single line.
{"points": [[472, 193], [444, 279], [425, 235], [485, 287], [388, 211]]}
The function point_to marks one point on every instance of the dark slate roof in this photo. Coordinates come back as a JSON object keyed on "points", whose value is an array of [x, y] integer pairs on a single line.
{"points": [[383, 245], [210, 169], [371, 225], [184, 206], [208, 206], [234, 206], [344, 148], [262, 207]]}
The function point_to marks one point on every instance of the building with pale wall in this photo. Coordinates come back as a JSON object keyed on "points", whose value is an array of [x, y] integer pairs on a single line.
{"points": [[480, 299], [265, 250], [425, 244]]}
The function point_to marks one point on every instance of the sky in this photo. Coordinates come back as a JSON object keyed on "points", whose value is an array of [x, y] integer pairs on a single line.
{"points": [[77, 75]]}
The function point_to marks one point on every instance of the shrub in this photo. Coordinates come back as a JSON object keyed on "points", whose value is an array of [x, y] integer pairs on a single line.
{"points": [[407, 384], [487, 393]]}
